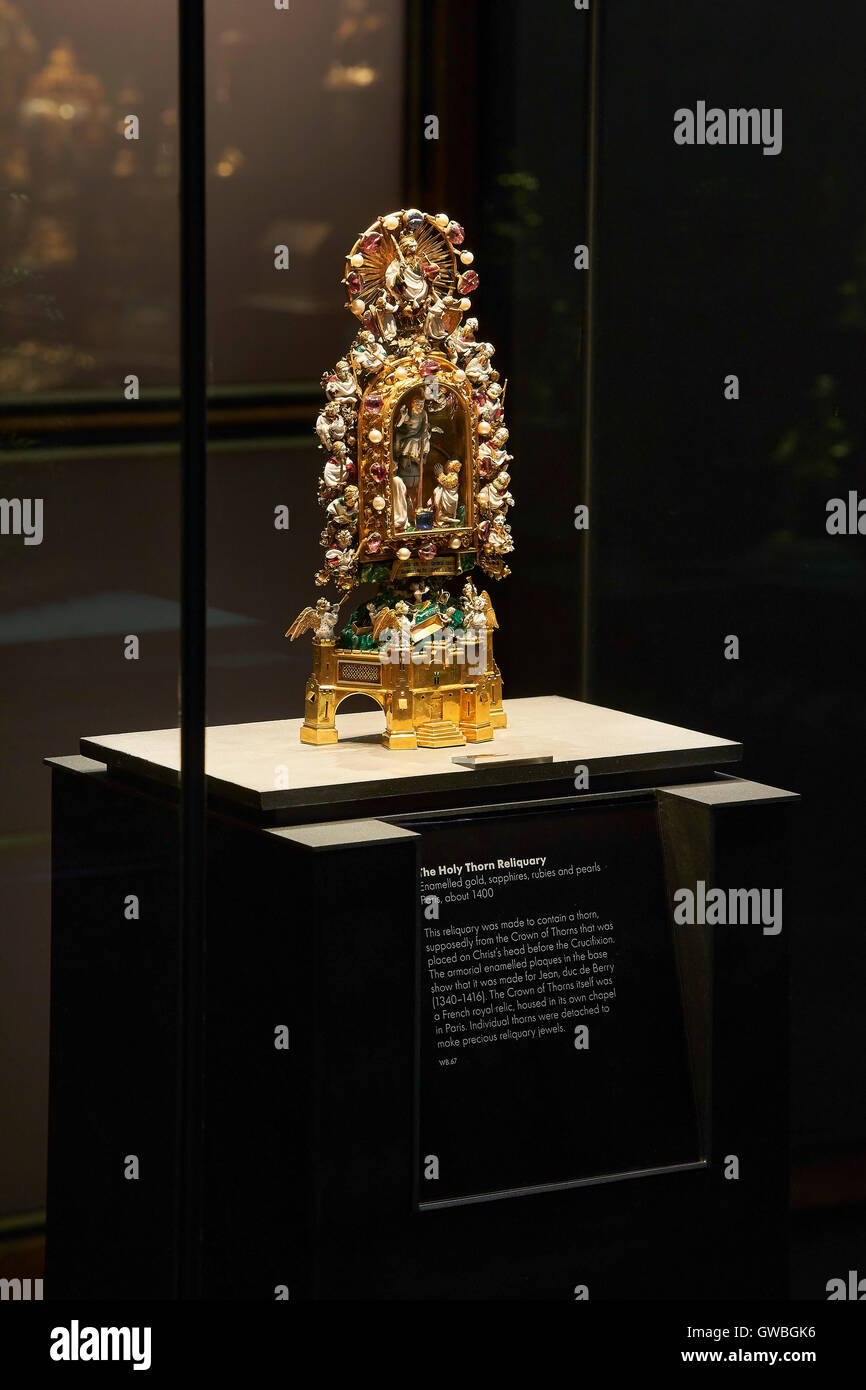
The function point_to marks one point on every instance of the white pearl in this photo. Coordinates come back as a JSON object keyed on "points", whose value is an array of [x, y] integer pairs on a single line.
{"points": [[379, 504], [460, 375], [375, 436], [466, 257], [357, 260], [403, 553], [465, 304], [390, 222], [443, 219], [358, 306]]}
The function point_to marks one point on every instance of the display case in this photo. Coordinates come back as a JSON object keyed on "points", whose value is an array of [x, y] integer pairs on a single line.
{"points": [[392, 495]]}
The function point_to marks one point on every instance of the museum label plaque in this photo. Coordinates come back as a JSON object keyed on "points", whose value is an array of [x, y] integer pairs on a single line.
{"points": [[552, 1041]]}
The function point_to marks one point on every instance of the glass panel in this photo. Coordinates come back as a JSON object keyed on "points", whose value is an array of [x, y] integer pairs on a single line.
{"points": [[304, 122], [520, 198], [310, 100], [731, 311], [90, 469]]}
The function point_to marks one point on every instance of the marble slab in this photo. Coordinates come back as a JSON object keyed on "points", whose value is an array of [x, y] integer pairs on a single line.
{"points": [[265, 766]]}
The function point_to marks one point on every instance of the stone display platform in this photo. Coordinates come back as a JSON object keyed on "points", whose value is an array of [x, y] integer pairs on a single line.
{"points": [[266, 767]]}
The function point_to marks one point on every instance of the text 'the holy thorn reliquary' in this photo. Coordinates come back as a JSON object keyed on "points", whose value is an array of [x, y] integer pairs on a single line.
{"points": [[415, 490]]}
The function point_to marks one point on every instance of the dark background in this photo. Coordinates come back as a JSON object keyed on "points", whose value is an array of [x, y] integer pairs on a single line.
{"points": [[707, 516]]}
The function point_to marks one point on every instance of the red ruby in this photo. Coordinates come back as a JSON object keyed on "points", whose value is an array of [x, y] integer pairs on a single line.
{"points": [[484, 466], [371, 243], [429, 270], [374, 543], [369, 322], [468, 282], [353, 282], [373, 404], [378, 472], [480, 398], [427, 552], [429, 368], [455, 233]]}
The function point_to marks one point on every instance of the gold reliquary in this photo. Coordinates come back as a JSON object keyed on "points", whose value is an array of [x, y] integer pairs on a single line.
{"points": [[415, 489]]}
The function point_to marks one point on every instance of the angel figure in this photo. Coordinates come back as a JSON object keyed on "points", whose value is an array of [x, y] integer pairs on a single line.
{"points": [[468, 596], [321, 620], [373, 610], [476, 617], [492, 623], [394, 626]]}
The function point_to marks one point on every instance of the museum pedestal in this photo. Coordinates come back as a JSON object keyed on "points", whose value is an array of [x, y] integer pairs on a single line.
{"points": [[461, 1040]]}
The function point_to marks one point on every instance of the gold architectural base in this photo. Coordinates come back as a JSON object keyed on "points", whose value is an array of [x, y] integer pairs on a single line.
{"points": [[480, 735], [399, 740], [318, 736], [426, 705], [439, 733]]}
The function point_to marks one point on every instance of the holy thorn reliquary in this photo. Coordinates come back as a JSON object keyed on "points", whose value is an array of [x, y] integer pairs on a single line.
{"points": [[415, 491]]}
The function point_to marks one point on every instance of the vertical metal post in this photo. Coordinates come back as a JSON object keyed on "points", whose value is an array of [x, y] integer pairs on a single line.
{"points": [[593, 80], [193, 376]]}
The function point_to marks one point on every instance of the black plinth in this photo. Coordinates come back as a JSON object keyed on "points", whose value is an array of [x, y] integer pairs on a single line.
{"points": [[504, 1071]]}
